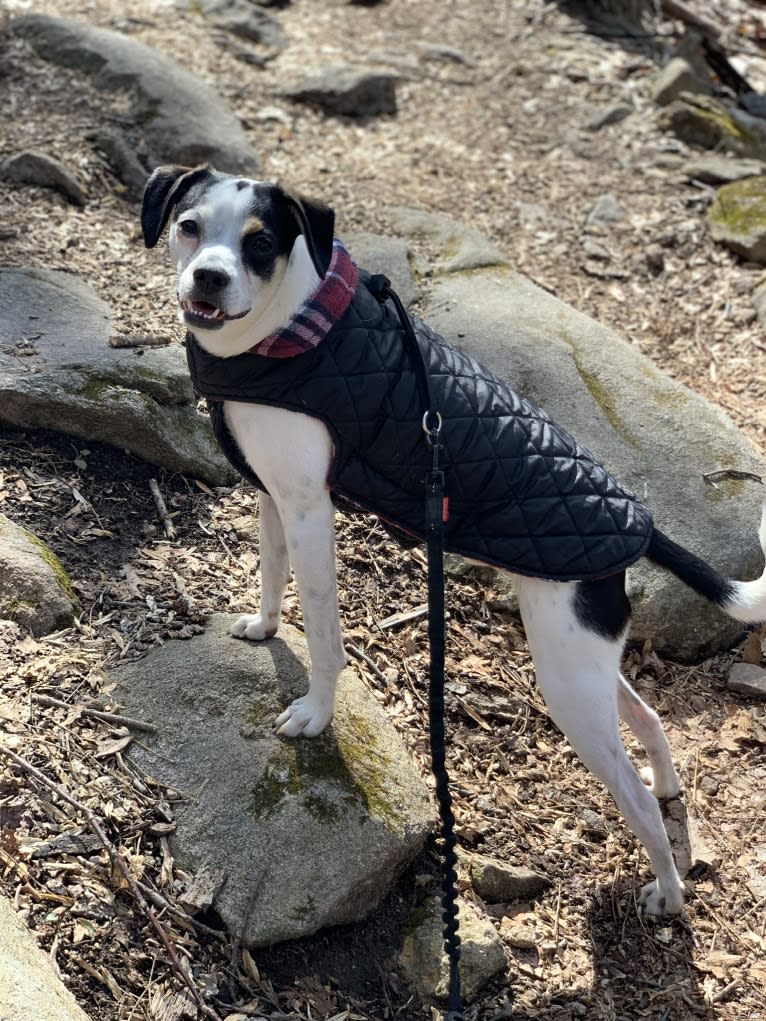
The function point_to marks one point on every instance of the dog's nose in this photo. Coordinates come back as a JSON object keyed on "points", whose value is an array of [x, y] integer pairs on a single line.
{"points": [[211, 278]]}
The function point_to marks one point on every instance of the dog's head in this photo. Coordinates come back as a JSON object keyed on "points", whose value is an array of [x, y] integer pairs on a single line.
{"points": [[247, 253]]}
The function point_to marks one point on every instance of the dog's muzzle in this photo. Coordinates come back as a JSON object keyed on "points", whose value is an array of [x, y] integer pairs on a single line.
{"points": [[202, 314]]}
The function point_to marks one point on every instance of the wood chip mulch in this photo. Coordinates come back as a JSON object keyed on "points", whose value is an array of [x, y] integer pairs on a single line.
{"points": [[495, 141]]}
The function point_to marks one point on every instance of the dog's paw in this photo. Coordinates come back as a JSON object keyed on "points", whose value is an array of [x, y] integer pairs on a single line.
{"points": [[304, 717], [661, 787], [660, 901], [254, 627]]}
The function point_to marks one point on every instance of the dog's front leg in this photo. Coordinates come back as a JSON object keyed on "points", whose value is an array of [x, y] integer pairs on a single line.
{"points": [[291, 454], [311, 548], [275, 574]]}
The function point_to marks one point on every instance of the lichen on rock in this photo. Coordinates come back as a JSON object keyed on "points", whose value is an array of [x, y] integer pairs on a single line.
{"points": [[737, 217]]}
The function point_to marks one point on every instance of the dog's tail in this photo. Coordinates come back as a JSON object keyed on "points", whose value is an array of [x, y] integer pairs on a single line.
{"points": [[742, 600]]}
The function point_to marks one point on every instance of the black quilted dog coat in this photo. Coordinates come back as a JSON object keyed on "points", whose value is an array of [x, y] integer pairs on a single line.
{"points": [[523, 494]]}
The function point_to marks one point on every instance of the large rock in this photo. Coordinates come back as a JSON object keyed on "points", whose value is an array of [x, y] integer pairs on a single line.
{"points": [[35, 590], [57, 371], [183, 118], [30, 989], [658, 437], [460, 247], [304, 833], [737, 217], [386, 255]]}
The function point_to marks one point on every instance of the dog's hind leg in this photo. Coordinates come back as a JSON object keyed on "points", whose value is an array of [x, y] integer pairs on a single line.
{"points": [[275, 574], [576, 634], [645, 723]]}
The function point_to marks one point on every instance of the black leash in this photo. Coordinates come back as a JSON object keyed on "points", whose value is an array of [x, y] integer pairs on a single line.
{"points": [[436, 511]]}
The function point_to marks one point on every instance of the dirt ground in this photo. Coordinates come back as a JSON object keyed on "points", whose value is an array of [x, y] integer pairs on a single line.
{"points": [[495, 98]]}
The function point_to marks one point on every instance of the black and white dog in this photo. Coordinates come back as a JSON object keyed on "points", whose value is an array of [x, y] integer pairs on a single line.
{"points": [[249, 255]]}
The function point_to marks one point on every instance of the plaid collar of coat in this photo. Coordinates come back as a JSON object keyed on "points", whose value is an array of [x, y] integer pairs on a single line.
{"points": [[318, 314]]}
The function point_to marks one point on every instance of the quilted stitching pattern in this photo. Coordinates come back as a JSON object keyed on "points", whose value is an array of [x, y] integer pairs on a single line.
{"points": [[523, 494]]}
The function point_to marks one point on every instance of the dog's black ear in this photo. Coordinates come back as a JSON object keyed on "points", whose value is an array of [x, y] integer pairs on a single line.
{"points": [[316, 222], [163, 190]]}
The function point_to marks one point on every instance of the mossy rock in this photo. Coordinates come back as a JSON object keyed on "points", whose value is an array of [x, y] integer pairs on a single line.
{"points": [[705, 122], [737, 217], [35, 590]]}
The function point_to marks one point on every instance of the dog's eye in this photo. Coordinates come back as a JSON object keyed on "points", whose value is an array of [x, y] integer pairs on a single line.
{"points": [[188, 228], [257, 244]]}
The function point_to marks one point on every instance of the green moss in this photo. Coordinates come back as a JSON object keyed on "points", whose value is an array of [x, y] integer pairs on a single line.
{"points": [[50, 558], [147, 383], [725, 487], [14, 607], [419, 917], [94, 388], [740, 207], [727, 129], [704, 121], [605, 399], [670, 398], [330, 775]]}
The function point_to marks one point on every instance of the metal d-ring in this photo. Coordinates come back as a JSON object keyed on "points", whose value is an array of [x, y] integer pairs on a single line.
{"points": [[432, 434]]}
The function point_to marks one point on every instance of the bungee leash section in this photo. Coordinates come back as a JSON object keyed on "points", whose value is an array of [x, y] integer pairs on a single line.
{"points": [[436, 514]]}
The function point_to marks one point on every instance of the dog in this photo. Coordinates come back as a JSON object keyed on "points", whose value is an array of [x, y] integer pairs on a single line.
{"points": [[249, 255]]}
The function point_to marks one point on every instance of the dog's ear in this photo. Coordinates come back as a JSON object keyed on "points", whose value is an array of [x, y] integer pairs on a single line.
{"points": [[316, 222], [163, 190]]}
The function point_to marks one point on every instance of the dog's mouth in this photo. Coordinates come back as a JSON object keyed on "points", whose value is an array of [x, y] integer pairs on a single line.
{"points": [[209, 317]]}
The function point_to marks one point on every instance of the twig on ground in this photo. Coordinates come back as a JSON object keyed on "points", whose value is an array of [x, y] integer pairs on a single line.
{"points": [[97, 714], [162, 510], [404, 616], [119, 862], [364, 658]]}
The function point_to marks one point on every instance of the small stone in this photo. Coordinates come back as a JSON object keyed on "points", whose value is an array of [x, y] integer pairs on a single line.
{"points": [[611, 114], [346, 91], [709, 786], [424, 963], [676, 76], [737, 218], [593, 823], [34, 588], [43, 171], [593, 250], [759, 302], [243, 19], [708, 123], [655, 259], [747, 679], [605, 211], [497, 882], [203, 888], [716, 168], [519, 932]]}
